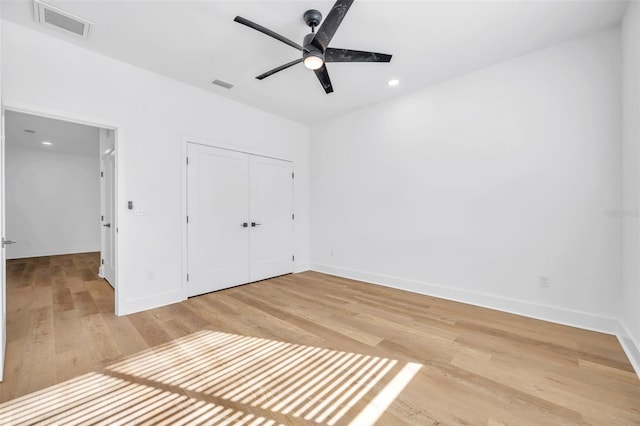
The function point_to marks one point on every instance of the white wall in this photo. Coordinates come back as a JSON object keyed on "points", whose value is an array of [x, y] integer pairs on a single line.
{"points": [[152, 115], [473, 188], [52, 201], [631, 180]]}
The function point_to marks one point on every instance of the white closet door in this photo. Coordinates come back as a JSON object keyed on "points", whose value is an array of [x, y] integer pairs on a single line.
{"points": [[271, 207], [217, 206]]}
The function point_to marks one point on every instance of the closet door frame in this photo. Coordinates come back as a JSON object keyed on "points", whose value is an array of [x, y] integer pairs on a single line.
{"points": [[186, 140]]}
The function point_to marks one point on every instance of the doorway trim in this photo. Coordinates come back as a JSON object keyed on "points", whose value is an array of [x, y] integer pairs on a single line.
{"points": [[16, 106], [186, 140]]}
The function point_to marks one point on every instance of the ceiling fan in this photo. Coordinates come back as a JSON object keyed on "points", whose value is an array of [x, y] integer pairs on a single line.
{"points": [[315, 47]]}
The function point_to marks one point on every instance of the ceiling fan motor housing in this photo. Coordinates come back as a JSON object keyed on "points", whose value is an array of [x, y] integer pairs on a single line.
{"points": [[307, 41], [311, 50], [312, 56]]}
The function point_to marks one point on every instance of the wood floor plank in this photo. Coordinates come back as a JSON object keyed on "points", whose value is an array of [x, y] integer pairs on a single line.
{"points": [[476, 365], [69, 331], [317, 313], [38, 352], [13, 365], [150, 330], [62, 300], [125, 334], [103, 346], [69, 363]]}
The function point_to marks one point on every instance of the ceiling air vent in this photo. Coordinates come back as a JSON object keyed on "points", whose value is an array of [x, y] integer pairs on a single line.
{"points": [[59, 19], [222, 84]]}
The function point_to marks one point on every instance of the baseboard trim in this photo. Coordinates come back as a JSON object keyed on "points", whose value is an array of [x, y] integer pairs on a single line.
{"points": [[301, 267], [554, 314], [630, 346], [53, 252], [131, 306]]}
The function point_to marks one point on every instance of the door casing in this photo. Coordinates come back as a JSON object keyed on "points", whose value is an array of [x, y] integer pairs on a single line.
{"points": [[17, 106]]}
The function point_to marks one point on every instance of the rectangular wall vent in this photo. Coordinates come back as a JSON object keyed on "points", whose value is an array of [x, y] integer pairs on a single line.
{"points": [[222, 84], [54, 17]]}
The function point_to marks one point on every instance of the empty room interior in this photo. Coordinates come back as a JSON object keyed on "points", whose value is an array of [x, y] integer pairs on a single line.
{"points": [[320, 212]]}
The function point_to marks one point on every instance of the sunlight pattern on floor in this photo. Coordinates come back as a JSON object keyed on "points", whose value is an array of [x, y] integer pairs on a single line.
{"points": [[102, 400], [219, 378]]}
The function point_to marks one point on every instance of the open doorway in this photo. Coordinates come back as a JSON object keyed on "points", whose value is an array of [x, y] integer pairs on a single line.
{"points": [[59, 209], [57, 275]]}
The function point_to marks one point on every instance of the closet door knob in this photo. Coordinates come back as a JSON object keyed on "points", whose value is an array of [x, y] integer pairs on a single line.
{"points": [[244, 224], [254, 224]]}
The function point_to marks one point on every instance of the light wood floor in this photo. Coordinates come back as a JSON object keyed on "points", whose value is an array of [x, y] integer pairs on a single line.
{"points": [[477, 366]]}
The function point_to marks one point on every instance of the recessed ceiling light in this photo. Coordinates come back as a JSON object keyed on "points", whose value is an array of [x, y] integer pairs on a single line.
{"points": [[46, 143], [393, 82]]}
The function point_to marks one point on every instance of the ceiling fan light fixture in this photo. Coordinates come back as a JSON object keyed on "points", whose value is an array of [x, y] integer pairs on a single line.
{"points": [[315, 45], [313, 59]]}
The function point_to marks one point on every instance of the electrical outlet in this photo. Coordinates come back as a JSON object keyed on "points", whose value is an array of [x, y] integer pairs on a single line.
{"points": [[543, 281], [332, 252], [151, 275]]}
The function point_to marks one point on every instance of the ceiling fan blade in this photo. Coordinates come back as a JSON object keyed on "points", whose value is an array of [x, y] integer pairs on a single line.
{"points": [[323, 76], [347, 55], [331, 24], [278, 69], [266, 31]]}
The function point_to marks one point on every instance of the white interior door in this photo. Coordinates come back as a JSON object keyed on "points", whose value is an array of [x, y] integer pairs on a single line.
{"points": [[108, 215], [218, 216], [3, 257], [271, 209]]}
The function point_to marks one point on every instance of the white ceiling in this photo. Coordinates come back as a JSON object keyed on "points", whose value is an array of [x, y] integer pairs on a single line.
{"points": [[431, 41], [64, 136]]}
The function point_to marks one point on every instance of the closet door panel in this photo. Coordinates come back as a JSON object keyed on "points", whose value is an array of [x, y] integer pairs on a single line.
{"points": [[271, 208], [217, 206]]}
